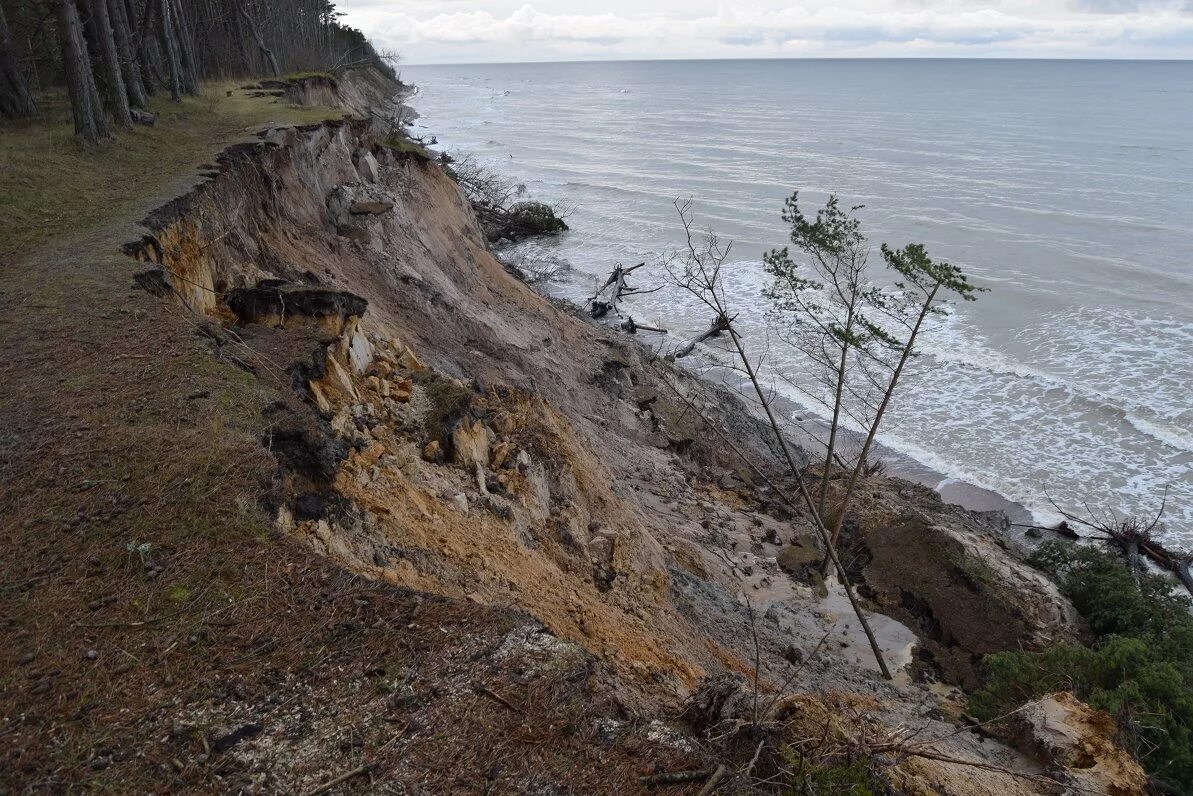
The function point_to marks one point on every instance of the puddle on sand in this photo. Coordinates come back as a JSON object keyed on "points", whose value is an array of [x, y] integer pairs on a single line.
{"points": [[894, 638]]}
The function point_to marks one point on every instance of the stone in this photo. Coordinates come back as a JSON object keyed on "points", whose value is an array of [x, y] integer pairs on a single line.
{"points": [[360, 351], [370, 207], [401, 390], [352, 232], [1067, 734], [470, 443], [433, 452], [500, 454], [460, 502], [409, 361], [366, 166], [794, 558], [338, 377]]}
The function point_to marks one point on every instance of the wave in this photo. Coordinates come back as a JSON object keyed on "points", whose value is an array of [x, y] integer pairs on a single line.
{"points": [[1173, 437], [961, 348]]}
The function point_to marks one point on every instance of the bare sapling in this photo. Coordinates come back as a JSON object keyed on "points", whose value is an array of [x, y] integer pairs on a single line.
{"points": [[697, 269]]}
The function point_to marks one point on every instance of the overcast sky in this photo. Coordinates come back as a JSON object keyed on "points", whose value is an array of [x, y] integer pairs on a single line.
{"points": [[457, 31]]}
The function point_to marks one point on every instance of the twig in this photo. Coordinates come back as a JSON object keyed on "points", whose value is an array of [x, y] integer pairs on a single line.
{"points": [[327, 786], [714, 780], [481, 689], [754, 759]]}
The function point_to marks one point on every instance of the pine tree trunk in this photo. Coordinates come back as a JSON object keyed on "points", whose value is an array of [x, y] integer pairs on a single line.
{"points": [[186, 50], [129, 68], [85, 105], [144, 43], [165, 25], [268, 53], [109, 60], [15, 100], [233, 22]]}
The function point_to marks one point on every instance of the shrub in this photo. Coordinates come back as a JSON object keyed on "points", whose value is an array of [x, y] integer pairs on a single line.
{"points": [[1138, 668], [535, 218]]}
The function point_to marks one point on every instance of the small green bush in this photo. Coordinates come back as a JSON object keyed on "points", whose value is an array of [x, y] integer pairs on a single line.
{"points": [[535, 218], [1139, 667]]}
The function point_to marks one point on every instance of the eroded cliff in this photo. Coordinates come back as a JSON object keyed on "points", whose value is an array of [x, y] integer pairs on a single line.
{"points": [[555, 532]]}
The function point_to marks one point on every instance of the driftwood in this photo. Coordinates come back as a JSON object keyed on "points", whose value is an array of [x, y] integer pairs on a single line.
{"points": [[610, 294], [631, 326], [720, 324]]}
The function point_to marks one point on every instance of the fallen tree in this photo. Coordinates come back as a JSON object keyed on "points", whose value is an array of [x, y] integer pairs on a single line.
{"points": [[498, 203], [1132, 536]]}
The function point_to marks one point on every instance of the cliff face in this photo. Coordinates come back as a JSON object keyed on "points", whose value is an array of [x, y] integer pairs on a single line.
{"points": [[440, 427]]}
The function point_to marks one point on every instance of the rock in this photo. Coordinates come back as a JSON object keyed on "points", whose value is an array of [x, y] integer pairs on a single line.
{"points": [[460, 502], [500, 455], [370, 207], [433, 452], [470, 443], [319, 398], [339, 377], [144, 117], [353, 232], [794, 558], [401, 390], [1065, 733], [366, 166], [409, 361], [359, 349]]}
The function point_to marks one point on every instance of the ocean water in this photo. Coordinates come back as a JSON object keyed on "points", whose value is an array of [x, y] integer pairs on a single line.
{"points": [[1064, 187]]}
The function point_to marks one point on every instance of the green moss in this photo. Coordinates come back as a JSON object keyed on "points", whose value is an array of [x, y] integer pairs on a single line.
{"points": [[294, 77], [850, 778], [400, 143], [178, 593]]}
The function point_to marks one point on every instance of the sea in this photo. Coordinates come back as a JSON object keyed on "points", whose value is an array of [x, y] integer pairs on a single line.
{"points": [[1064, 187]]}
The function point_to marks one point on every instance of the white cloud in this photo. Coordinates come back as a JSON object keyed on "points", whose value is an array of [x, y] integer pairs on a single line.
{"points": [[497, 31]]}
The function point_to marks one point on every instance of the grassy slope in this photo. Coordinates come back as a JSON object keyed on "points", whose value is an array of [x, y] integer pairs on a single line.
{"points": [[51, 184], [118, 427]]}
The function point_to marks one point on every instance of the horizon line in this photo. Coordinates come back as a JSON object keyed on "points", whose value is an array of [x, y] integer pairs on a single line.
{"points": [[1073, 58]]}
